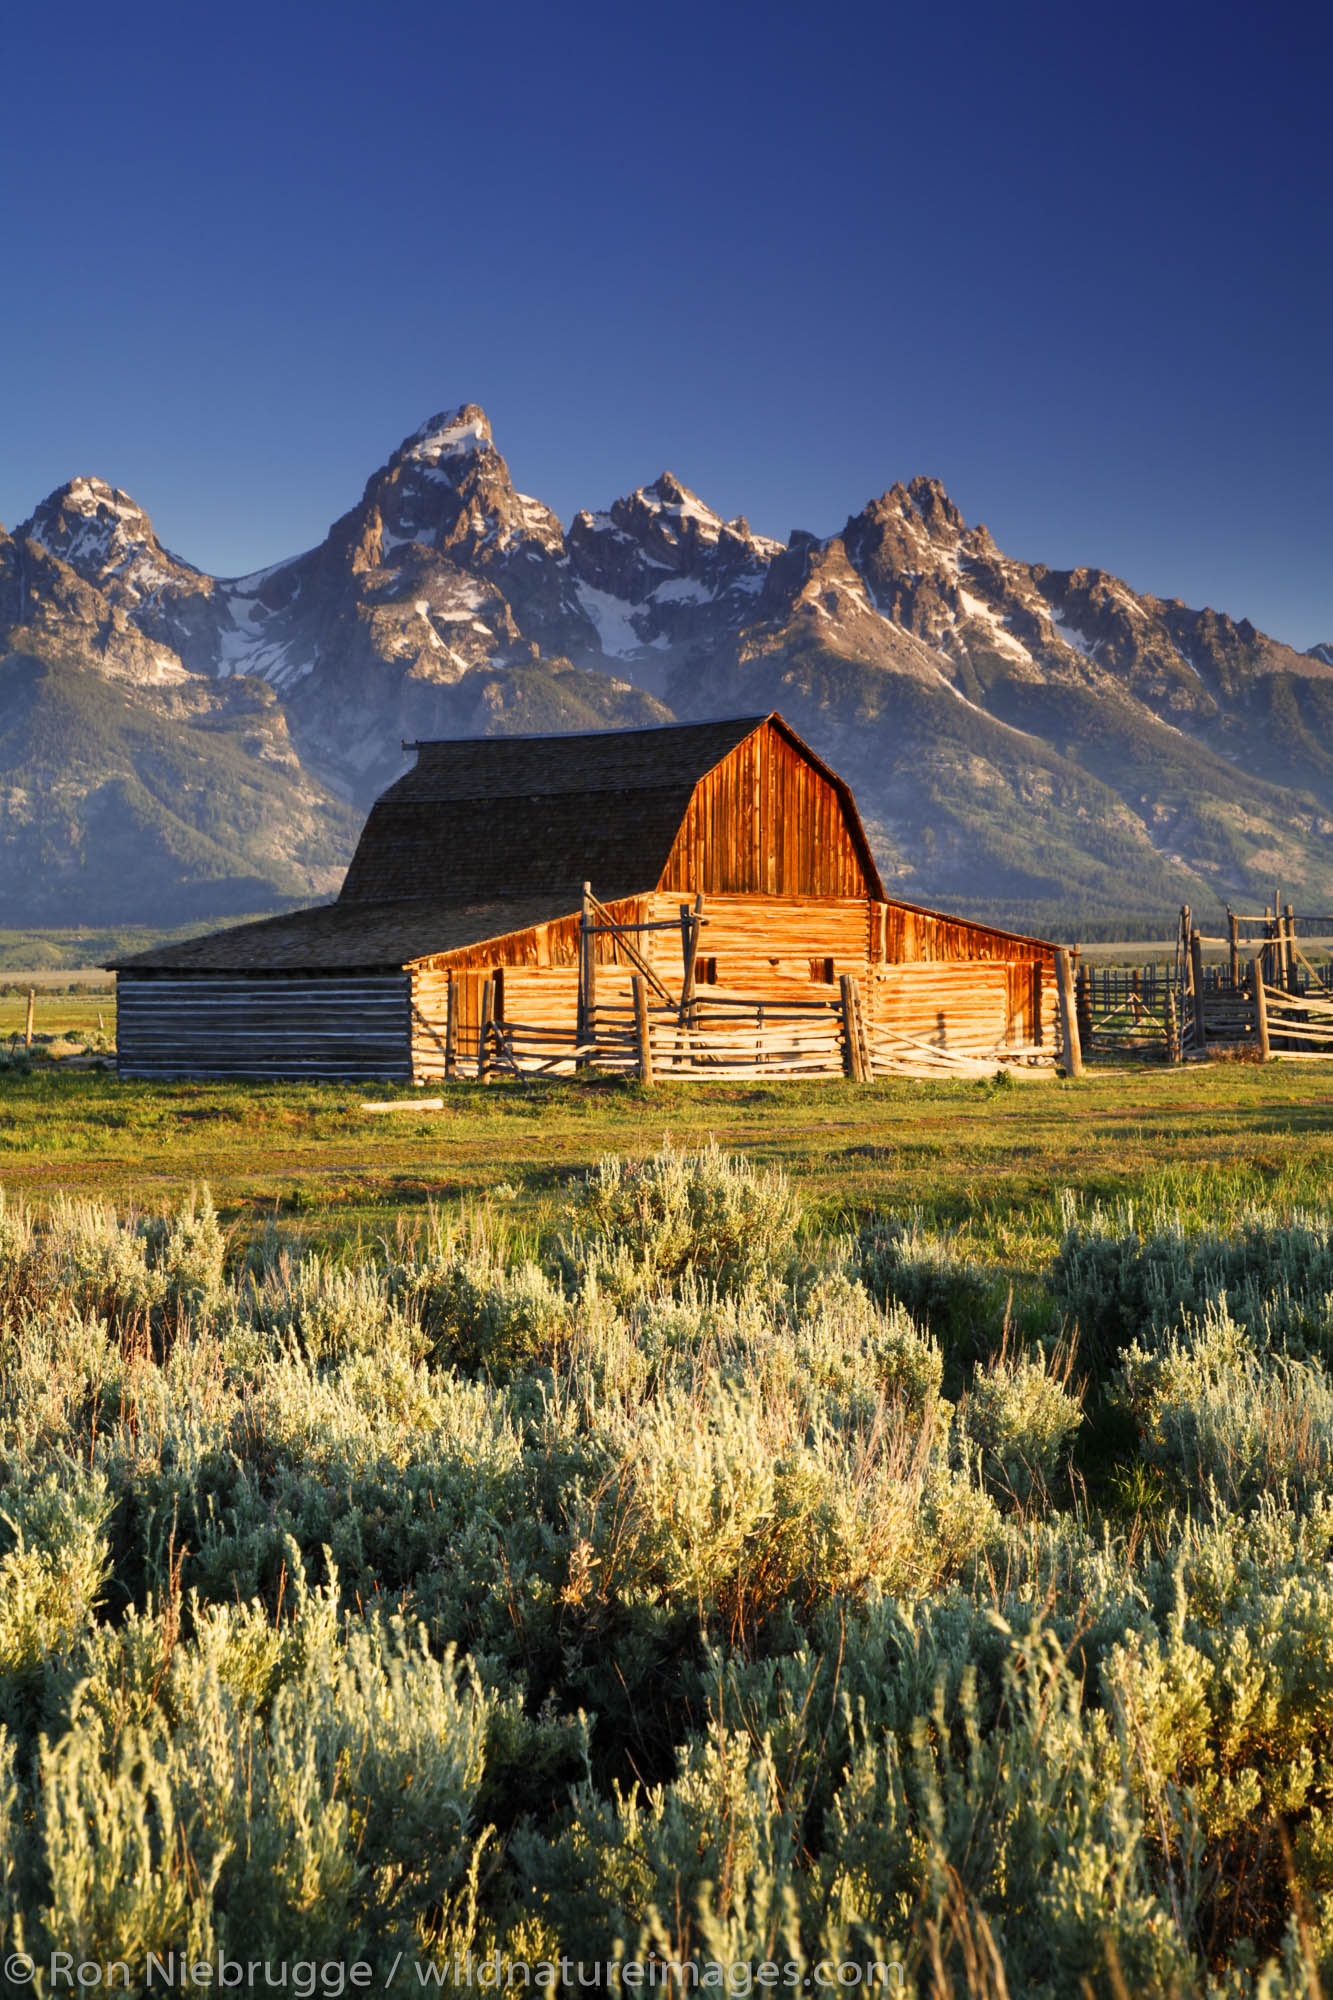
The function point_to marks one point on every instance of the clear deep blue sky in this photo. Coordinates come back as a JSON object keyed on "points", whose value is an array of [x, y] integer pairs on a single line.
{"points": [[1076, 262]]}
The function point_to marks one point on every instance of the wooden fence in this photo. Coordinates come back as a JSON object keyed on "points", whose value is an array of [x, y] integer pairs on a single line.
{"points": [[1266, 998], [721, 1038]]}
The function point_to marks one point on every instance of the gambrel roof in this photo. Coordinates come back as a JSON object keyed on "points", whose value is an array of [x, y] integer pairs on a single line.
{"points": [[510, 816], [487, 835]]}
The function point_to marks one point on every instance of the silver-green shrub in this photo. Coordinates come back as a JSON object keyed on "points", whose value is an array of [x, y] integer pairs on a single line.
{"points": [[647, 1223], [655, 1585], [1123, 1276], [1232, 1420], [1021, 1419]]}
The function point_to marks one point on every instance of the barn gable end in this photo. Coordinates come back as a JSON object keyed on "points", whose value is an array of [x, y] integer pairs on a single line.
{"points": [[770, 820]]}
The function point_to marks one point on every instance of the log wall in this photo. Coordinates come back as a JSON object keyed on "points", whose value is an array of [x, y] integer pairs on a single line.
{"points": [[946, 985], [304, 1026]]}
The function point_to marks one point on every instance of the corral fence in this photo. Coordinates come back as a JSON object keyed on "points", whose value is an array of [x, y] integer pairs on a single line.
{"points": [[1267, 997], [734, 1038], [701, 1035]]}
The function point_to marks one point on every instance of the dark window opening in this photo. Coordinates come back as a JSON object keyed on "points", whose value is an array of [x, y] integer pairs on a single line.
{"points": [[821, 971], [705, 972]]}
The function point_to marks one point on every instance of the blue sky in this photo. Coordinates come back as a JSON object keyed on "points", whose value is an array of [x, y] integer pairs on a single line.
{"points": [[1074, 262]]}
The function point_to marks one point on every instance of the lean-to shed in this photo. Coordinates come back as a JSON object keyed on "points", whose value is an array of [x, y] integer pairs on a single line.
{"points": [[471, 868]]}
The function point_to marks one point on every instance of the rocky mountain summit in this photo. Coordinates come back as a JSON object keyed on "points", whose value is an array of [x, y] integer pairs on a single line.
{"points": [[1043, 744]]}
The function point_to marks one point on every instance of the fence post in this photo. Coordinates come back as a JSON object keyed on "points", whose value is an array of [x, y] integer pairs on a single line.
{"points": [[691, 929], [1196, 981], [483, 1051], [27, 1032], [1064, 986], [851, 1040], [451, 1028], [1173, 1048], [587, 1011], [1233, 930], [863, 1035], [1260, 1006], [642, 1030], [1083, 1009], [1291, 952]]}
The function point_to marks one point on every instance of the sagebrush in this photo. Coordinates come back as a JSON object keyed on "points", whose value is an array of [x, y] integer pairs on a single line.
{"points": [[680, 1582]]}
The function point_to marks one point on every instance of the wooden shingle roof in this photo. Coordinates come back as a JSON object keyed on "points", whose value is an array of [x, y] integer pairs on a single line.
{"points": [[503, 816], [347, 937]]}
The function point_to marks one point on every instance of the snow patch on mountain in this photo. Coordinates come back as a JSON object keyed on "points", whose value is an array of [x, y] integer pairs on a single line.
{"points": [[452, 434], [613, 618], [1073, 637], [980, 613]]}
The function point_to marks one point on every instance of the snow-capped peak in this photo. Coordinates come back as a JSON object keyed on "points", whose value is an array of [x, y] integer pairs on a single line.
{"points": [[111, 513], [452, 434], [666, 496], [103, 534]]}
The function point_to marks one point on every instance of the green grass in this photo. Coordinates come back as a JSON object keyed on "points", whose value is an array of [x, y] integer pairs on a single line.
{"points": [[987, 1159], [88, 1010]]}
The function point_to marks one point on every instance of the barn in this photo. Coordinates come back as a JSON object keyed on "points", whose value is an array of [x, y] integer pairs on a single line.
{"points": [[702, 890]]}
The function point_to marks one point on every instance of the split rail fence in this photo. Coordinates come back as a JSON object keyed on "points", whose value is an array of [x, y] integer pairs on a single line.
{"points": [[702, 1035], [736, 1038]]}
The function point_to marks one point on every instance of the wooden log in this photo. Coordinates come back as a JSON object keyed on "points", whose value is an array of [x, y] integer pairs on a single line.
{"points": [[1064, 985], [1290, 937], [27, 1032], [484, 1035], [1173, 1049], [1233, 945], [863, 1037], [1196, 985], [408, 1104], [851, 1039], [451, 1030], [585, 1030], [645, 1042], [1083, 1008], [1260, 1007]]}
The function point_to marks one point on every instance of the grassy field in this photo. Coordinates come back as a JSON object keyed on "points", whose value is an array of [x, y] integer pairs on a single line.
{"points": [[65, 1007], [899, 1536], [984, 1157]]}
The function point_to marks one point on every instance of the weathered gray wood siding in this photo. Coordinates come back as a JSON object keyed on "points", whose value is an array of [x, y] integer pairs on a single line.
{"points": [[299, 1025]]}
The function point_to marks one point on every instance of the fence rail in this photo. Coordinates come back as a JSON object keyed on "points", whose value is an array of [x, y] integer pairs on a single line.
{"points": [[734, 1037]]}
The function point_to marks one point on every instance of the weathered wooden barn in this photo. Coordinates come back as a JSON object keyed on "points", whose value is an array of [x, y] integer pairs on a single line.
{"points": [[729, 875]]}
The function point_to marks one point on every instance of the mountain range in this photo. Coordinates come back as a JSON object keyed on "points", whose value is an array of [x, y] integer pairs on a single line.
{"points": [[1043, 746]]}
